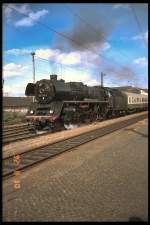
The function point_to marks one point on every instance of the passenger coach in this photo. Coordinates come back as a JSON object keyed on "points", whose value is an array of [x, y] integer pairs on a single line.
{"points": [[136, 101]]}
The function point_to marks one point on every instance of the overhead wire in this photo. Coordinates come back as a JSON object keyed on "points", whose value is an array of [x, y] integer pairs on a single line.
{"points": [[80, 68], [138, 24]]}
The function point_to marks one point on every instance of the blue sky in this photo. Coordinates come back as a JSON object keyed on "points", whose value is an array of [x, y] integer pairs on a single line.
{"points": [[106, 37]]}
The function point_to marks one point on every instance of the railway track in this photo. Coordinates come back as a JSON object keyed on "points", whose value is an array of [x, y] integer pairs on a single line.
{"points": [[32, 157], [15, 133], [14, 125]]}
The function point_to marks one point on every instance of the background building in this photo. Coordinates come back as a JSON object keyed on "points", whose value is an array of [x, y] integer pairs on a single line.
{"points": [[16, 104]]}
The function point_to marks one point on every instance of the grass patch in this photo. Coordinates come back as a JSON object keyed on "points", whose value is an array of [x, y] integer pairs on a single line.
{"points": [[10, 118]]}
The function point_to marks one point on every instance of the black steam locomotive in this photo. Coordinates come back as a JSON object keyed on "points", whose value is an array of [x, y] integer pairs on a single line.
{"points": [[62, 103]]}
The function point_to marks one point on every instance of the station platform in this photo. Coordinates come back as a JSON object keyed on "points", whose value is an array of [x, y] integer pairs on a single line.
{"points": [[103, 180]]}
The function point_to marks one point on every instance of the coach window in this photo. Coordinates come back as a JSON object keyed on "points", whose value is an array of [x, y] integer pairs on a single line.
{"points": [[129, 100]]}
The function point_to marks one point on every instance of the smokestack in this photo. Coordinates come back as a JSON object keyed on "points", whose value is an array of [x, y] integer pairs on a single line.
{"points": [[53, 77]]}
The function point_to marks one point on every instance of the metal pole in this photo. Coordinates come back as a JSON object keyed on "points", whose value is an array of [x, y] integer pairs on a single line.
{"points": [[101, 79], [61, 68], [33, 54]]}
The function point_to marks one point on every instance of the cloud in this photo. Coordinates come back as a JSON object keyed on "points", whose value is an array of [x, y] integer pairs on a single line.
{"points": [[15, 89], [18, 52], [13, 70], [141, 61], [31, 19], [123, 5], [8, 12], [141, 36], [77, 57], [47, 53], [105, 46], [26, 21], [72, 58], [58, 56], [75, 75], [23, 8]]}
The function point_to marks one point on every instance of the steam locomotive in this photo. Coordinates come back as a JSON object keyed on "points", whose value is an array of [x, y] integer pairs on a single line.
{"points": [[60, 103]]}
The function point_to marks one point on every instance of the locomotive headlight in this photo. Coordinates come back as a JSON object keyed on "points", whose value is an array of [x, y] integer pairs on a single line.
{"points": [[31, 111], [51, 111]]}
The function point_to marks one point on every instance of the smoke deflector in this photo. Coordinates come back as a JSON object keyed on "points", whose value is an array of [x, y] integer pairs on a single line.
{"points": [[30, 89]]}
